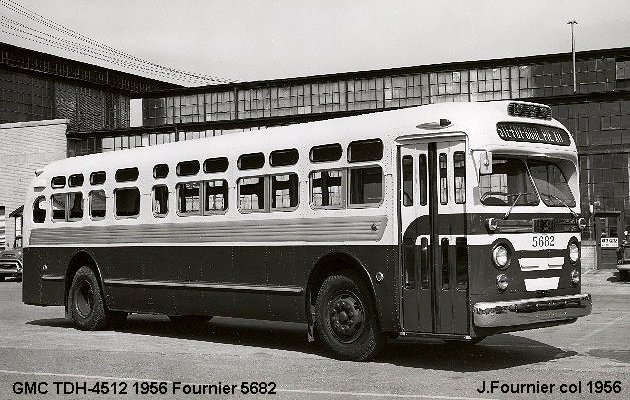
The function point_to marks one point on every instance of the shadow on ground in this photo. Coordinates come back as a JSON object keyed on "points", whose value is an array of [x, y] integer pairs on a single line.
{"points": [[494, 353]]}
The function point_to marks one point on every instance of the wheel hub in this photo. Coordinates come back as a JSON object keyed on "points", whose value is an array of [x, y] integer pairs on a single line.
{"points": [[346, 314], [84, 299]]}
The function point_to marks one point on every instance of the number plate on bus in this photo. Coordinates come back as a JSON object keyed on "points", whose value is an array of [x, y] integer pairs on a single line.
{"points": [[543, 241]]}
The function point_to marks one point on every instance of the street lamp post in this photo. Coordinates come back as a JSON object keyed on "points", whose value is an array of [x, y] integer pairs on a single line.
{"points": [[573, 54]]}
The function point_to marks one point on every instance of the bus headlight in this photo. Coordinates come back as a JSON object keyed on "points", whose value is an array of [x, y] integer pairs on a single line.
{"points": [[502, 282], [500, 256], [575, 277], [574, 253]]}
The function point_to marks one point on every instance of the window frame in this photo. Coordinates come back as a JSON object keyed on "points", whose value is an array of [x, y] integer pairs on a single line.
{"points": [[203, 198], [271, 194], [65, 208], [93, 174], [266, 195], [68, 207], [189, 213], [348, 187], [344, 185], [155, 214], [90, 205]]}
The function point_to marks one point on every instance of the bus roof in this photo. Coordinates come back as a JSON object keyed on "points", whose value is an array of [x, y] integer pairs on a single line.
{"points": [[477, 119]]}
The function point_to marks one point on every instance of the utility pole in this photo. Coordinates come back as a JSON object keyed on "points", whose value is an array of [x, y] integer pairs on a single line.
{"points": [[574, 22]]}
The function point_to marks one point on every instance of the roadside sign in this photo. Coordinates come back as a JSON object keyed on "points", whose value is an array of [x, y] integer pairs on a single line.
{"points": [[609, 242]]}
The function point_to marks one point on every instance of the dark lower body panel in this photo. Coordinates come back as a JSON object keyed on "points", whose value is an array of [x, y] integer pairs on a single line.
{"points": [[237, 281]]}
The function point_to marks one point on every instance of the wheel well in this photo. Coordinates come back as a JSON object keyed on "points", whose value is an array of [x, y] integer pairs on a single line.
{"points": [[79, 260], [325, 267]]}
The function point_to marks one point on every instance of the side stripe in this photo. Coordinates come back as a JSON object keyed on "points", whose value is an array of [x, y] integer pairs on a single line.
{"points": [[363, 228], [224, 287]]}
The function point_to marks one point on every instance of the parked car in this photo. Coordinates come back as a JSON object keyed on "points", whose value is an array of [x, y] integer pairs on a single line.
{"points": [[11, 261]]}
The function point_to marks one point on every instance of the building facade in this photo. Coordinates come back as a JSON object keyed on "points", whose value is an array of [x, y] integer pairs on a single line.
{"points": [[42, 99]]}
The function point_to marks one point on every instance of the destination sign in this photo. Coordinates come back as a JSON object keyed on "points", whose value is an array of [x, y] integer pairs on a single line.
{"points": [[532, 133]]}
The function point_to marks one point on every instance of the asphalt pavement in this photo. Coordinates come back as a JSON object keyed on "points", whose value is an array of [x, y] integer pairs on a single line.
{"points": [[43, 355]]}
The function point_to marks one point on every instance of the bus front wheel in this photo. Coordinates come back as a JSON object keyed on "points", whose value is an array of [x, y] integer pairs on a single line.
{"points": [[345, 319], [85, 301]]}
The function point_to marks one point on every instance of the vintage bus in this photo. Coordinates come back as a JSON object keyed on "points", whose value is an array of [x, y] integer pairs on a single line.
{"points": [[454, 221]]}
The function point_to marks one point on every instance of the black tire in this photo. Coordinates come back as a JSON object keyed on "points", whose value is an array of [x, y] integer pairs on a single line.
{"points": [[624, 275], [85, 301], [345, 318], [1, 278], [194, 323]]}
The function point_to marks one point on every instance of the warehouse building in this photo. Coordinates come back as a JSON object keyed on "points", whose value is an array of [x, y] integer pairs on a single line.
{"points": [[43, 98]]}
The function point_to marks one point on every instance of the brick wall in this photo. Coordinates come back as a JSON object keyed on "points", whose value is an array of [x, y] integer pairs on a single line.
{"points": [[25, 147]]}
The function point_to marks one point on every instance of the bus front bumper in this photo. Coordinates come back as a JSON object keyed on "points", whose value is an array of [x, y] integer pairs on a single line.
{"points": [[531, 311]]}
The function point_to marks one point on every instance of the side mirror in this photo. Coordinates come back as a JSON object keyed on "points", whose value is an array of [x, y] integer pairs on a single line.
{"points": [[485, 163]]}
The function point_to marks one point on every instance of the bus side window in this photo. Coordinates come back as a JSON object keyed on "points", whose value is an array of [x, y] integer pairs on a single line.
{"points": [[459, 168], [75, 206], [97, 204], [407, 180], [215, 196], [251, 194], [443, 179], [39, 210], [366, 185], [327, 189], [127, 201], [284, 191], [160, 200], [58, 203], [422, 171], [188, 198]]}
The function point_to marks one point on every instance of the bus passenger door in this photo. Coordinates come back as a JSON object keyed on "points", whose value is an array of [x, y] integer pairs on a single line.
{"points": [[433, 242]]}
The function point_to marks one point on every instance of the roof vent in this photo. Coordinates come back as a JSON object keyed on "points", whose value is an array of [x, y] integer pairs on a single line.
{"points": [[443, 123]]}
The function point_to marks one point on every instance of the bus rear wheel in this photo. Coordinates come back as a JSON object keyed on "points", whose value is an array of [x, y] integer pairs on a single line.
{"points": [[85, 301], [345, 319]]}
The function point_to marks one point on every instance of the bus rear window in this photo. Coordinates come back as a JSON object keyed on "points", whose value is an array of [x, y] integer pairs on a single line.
{"points": [[58, 203], [39, 210]]}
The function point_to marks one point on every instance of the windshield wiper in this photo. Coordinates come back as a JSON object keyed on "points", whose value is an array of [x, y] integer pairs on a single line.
{"points": [[562, 202], [518, 196]]}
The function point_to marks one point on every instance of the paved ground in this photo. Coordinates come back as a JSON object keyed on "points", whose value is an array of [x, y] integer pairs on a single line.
{"points": [[38, 346]]}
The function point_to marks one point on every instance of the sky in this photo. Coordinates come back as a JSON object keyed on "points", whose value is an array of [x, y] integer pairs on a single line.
{"points": [[268, 39]]}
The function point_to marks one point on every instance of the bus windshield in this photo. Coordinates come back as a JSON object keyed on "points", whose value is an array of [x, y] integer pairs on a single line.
{"points": [[509, 184], [517, 182], [551, 184]]}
